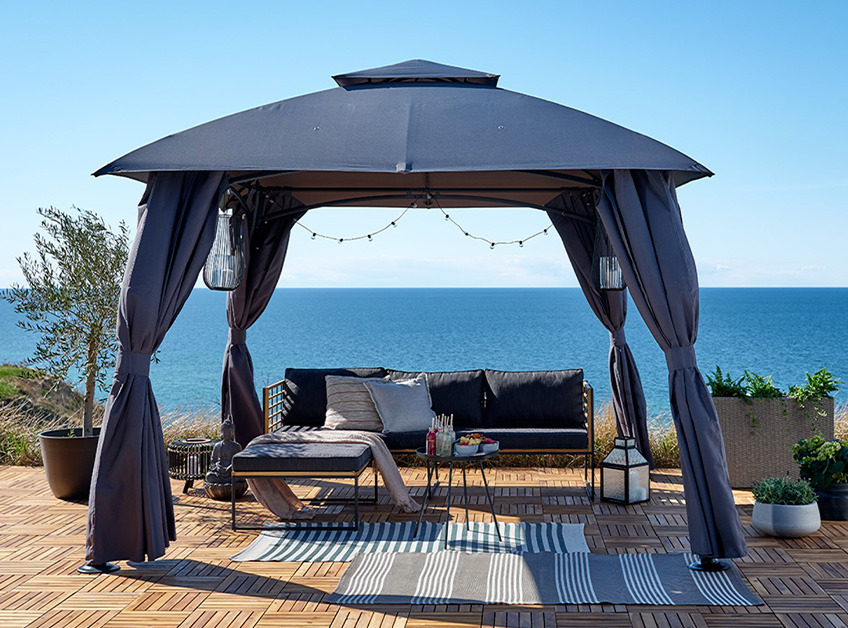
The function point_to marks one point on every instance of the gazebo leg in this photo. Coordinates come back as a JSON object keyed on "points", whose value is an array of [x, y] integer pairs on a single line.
{"points": [[707, 563]]}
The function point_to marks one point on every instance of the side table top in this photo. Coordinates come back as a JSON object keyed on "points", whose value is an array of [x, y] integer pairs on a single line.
{"points": [[421, 452]]}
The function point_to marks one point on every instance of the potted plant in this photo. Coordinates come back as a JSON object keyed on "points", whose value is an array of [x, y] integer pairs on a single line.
{"points": [[825, 464], [760, 423], [70, 300], [785, 507]]}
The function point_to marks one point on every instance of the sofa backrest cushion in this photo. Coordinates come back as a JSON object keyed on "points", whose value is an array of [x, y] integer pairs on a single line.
{"points": [[534, 398], [305, 400], [459, 393]]}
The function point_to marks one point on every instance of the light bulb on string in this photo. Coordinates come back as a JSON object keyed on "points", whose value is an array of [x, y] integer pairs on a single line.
{"points": [[521, 244], [370, 239], [313, 236], [492, 246]]}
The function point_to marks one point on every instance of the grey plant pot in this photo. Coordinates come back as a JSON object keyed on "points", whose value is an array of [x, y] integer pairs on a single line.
{"points": [[69, 461], [786, 521]]}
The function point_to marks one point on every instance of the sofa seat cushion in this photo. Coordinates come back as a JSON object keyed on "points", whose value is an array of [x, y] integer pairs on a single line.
{"points": [[285, 458], [305, 400], [538, 439], [459, 393], [406, 441], [549, 399]]}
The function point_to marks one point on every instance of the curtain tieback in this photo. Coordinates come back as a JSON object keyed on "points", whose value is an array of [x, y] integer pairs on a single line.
{"points": [[617, 338], [679, 358], [238, 336], [133, 363]]}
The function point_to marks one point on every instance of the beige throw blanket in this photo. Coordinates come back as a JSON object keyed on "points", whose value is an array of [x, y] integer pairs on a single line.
{"points": [[276, 496]]}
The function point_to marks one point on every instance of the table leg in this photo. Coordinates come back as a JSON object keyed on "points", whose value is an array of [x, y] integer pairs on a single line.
{"points": [[426, 498], [491, 503], [450, 485], [465, 490]]}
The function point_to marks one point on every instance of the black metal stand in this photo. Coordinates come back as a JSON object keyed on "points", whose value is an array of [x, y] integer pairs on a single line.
{"points": [[708, 564], [98, 568]]}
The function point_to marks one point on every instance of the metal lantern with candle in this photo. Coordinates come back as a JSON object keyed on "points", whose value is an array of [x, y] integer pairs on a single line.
{"points": [[625, 475]]}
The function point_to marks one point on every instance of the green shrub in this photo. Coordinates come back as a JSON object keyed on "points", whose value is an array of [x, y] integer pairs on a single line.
{"points": [[722, 385], [823, 462], [820, 384], [783, 491], [760, 387]]}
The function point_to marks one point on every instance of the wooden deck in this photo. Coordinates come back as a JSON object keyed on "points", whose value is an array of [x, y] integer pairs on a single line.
{"points": [[804, 582]]}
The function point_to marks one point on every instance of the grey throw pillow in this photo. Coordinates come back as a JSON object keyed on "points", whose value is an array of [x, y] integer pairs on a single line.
{"points": [[403, 406]]}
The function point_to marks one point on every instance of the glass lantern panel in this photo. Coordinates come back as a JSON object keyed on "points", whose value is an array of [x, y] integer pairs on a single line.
{"points": [[639, 484], [613, 483], [617, 456]]}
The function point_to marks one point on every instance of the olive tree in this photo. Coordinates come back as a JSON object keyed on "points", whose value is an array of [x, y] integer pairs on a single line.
{"points": [[70, 297]]}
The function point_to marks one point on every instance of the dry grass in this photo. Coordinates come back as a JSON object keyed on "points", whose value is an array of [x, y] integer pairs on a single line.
{"points": [[19, 431], [840, 421]]}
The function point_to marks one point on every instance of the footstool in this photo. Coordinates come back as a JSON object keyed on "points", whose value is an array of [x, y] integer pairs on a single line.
{"points": [[313, 460]]}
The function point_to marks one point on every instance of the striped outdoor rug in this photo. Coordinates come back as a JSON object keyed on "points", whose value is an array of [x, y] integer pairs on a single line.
{"points": [[388, 537], [578, 578]]}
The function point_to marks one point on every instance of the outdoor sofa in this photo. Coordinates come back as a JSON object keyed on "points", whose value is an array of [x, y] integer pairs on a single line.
{"points": [[538, 412]]}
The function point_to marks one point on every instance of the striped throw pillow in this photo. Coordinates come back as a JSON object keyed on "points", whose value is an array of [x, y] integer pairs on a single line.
{"points": [[349, 406]]}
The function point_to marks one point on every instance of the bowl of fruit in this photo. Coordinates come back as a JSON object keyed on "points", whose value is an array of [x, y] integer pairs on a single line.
{"points": [[468, 445], [487, 445]]}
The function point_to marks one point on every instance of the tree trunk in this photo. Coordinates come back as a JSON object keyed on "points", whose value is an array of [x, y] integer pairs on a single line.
{"points": [[90, 384]]}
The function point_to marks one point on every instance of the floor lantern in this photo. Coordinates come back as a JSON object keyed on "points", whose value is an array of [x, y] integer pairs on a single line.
{"points": [[625, 475]]}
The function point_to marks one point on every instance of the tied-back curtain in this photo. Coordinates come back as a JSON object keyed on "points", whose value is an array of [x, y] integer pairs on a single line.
{"points": [[610, 306], [265, 245], [640, 212], [130, 513]]}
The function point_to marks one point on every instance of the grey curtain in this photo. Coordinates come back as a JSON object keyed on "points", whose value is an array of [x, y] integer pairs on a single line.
{"points": [[265, 246], [640, 212], [130, 514], [610, 307]]}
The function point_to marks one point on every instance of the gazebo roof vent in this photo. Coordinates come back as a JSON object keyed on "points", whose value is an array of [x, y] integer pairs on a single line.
{"points": [[416, 71]]}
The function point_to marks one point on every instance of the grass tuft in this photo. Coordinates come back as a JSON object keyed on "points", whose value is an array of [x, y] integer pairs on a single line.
{"points": [[19, 430]]}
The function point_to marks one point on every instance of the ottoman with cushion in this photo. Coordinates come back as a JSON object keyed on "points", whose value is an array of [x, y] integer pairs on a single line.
{"points": [[313, 460]]}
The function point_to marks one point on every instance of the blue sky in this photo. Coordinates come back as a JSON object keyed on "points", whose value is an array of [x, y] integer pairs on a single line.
{"points": [[756, 91]]}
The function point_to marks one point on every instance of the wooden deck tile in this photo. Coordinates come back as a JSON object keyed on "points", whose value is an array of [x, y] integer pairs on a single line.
{"points": [[804, 582]]}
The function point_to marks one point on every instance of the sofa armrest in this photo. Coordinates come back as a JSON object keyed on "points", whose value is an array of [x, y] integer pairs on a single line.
{"points": [[273, 406], [589, 411]]}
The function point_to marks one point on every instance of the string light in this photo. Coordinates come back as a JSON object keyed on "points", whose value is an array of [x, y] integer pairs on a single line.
{"points": [[491, 243], [366, 236], [414, 205]]}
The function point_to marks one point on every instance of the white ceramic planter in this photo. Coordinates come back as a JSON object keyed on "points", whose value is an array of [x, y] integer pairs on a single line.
{"points": [[786, 521]]}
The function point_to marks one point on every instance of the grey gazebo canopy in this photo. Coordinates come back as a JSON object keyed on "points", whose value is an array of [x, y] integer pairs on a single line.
{"points": [[385, 137]]}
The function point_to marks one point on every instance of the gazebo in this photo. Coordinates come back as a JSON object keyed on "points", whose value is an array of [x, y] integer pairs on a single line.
{"points": [[421, 132]]}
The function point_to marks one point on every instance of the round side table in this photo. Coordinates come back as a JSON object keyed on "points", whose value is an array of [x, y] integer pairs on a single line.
{"points": [[433, 463], [189, 459]]}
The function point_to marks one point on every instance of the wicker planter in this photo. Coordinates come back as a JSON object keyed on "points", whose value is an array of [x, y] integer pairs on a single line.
{"points": [[759, 434]]}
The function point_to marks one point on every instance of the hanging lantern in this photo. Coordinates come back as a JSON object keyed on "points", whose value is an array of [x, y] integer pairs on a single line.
{"points": [[224, 267], [606, 271], [625, 475]]}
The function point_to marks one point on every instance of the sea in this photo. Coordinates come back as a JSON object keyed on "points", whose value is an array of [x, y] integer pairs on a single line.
{"points": [[781, 332]]}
